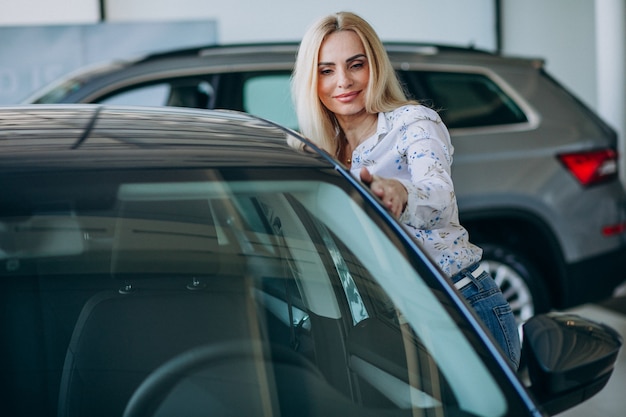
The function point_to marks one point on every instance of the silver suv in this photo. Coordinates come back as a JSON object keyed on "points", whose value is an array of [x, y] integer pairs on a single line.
{"points": [[535, 170]]}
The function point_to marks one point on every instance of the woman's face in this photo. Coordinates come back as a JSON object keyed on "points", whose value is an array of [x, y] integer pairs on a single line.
{"points": [[343, 73]]}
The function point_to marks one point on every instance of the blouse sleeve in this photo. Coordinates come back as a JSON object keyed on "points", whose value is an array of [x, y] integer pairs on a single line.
{"points": [[426, 147]]}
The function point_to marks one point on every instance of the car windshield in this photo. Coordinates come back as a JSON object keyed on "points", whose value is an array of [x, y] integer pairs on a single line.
{"points": [[58, 90], [162, 292]]}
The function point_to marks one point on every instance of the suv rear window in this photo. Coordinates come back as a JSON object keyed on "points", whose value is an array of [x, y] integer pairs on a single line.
{"points": [[466, 99]]}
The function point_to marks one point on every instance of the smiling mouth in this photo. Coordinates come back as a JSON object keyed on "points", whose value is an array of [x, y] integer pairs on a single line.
{"points": [[347, 96]]}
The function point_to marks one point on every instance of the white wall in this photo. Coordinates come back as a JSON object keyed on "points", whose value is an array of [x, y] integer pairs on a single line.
{"points": [[562, 32], [611, 63], [445, 21]]}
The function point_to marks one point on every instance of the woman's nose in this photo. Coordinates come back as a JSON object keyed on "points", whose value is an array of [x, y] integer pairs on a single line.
{"points": [[344, 79]]}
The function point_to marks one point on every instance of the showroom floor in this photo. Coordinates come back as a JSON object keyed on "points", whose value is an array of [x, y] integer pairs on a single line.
{"points": [[610, 401]]}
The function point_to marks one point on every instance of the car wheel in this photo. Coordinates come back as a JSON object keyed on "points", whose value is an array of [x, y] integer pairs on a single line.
{"points": [[520, 282]]}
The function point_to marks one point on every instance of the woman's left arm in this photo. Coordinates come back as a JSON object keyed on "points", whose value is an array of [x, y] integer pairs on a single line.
{"points": [[431, 201]]}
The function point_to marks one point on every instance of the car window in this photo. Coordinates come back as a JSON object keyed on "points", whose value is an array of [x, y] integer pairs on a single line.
{"points": [[467, 100], [180, 92], [151, 95], [110, 287], [269, 96]]}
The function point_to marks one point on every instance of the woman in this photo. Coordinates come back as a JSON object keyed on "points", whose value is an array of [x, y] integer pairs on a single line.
{"points": [[351, 104]]}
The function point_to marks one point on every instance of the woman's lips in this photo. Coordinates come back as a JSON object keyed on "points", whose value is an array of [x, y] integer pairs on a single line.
{"points": [[347, 97]]}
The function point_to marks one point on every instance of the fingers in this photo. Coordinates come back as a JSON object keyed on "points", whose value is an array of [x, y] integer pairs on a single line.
{"points": [[394, 201], [393, 194], [366, 176]]}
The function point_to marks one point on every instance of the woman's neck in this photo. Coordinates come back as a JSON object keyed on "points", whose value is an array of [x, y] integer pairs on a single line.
{"points": [[358, 128]]}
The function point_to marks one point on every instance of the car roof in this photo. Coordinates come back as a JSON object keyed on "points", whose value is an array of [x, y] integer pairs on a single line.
{"points": [[86, 136], [273, 51], [291, 48]]}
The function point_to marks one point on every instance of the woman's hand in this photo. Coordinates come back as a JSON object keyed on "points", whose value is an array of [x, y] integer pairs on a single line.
{"points": [[391, 191]]}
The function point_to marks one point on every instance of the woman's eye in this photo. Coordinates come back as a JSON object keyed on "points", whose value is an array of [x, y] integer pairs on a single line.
{"points": [[326, 72]]}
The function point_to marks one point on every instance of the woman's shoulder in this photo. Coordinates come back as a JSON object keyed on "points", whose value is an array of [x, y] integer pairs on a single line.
{"points": [[422, 121], [414, 112]]}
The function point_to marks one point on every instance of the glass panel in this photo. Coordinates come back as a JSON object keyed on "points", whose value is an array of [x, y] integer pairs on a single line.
{"points": [[358, 311], [469, 100], [269, 96], [239, 296], [152, 95], [195, 93]]}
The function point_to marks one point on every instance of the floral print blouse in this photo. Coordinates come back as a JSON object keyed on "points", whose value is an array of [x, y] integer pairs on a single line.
{"points": [[412, 145]]}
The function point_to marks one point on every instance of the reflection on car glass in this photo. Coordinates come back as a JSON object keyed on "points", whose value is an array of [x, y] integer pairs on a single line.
{"points": [[357, 307]]}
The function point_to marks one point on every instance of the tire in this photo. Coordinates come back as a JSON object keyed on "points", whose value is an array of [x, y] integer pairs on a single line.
{"points": [[520, 281]]}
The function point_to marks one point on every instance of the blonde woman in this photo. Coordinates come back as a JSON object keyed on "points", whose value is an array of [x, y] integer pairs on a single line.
{"points": [[350, 103]]}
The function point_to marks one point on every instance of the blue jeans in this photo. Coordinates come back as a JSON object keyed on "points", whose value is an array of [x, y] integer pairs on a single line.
{"points": [[484, 295]]}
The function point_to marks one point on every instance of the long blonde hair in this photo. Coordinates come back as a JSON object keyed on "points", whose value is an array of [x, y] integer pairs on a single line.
{"points": [[383, 93]]}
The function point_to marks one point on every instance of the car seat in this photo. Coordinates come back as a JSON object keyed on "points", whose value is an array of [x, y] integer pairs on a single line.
{"points": [[160, 310], [120, 338]]}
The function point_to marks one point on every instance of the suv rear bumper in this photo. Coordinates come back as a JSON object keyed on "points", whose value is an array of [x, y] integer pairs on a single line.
{"points": [[593, 279]]}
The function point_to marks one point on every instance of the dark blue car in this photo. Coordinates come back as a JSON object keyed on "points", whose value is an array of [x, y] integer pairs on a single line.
{"points": [[167, 261]]}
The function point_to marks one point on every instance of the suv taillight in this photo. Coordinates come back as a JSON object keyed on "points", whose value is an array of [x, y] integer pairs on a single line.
{"points": [[591, 167]]}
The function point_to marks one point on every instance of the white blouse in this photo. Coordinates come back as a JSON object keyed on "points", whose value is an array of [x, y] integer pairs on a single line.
{"points": [[412, 145]]}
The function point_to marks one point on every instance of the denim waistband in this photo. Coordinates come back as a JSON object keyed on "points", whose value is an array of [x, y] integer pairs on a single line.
{"points": [[463, 278]]}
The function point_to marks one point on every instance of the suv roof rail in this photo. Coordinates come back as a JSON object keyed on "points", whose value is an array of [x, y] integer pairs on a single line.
{"points": [[288, 46], [220, 48], [432, 48]]}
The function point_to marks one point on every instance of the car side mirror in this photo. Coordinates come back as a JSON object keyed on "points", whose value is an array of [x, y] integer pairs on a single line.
{"points": [[569, 358]]}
